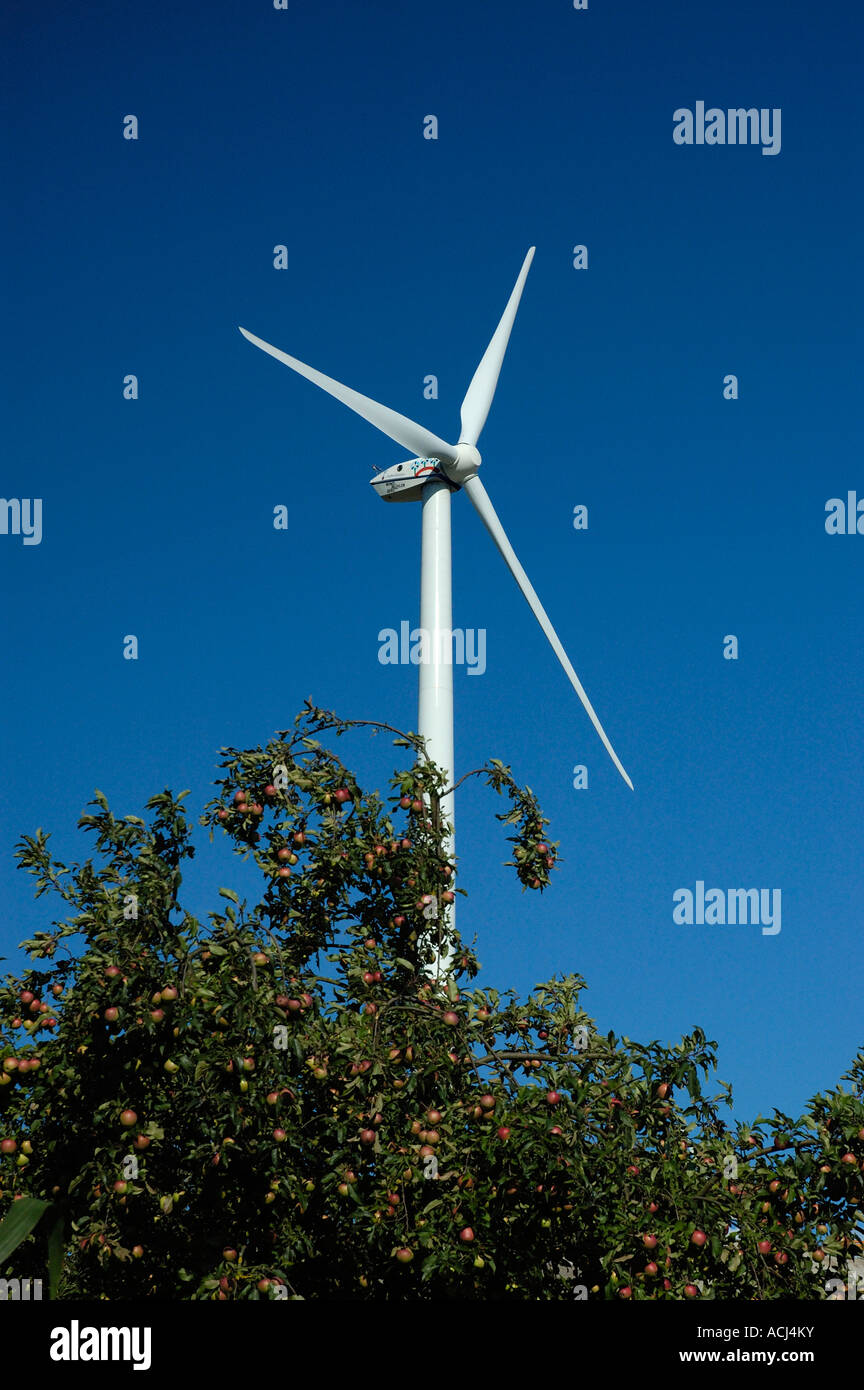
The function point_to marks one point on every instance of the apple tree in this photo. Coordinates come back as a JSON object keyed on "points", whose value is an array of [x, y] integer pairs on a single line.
{"points": [[306, 1095]]}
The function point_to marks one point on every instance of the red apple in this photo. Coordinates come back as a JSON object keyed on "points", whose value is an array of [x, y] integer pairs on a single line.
{"points": [[404, 1255], [626, 1292], [503, 1133], [649, 1242], [691, 1291], [142, 1141], [111, 1015], [698, 1238], [763, 1246], [342, 795], [552, 1097], [651, 1269], [279, 1136], [451, 1018], [8, 1146], [128, 1118], [466, 1235]]}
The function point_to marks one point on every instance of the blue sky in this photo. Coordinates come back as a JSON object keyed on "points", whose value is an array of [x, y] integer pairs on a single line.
{"points": [[304, 127]]}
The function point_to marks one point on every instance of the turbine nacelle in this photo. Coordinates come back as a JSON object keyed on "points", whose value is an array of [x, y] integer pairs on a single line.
{"points": [[404, 482]]}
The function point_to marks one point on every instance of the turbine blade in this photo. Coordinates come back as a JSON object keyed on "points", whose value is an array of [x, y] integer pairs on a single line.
{"points": [[416, 438], [478, 397], [480, 498]]}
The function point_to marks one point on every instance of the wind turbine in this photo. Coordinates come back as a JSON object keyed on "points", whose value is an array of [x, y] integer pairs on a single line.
{"points": [[437, 470]]}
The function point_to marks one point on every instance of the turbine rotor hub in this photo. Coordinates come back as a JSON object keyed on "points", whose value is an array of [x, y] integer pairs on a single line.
{"points": [[466, 463]]}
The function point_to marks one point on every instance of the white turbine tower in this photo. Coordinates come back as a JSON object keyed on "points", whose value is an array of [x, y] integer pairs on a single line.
{"points": [[438, 470]]}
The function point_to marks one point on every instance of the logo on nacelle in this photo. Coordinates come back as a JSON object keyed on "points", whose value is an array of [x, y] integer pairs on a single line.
{"points": [[404, 482]]}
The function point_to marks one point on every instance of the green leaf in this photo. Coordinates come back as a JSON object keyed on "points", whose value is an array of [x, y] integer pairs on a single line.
{"points": [[20, 1221], [229, 893], [55, 1254]]}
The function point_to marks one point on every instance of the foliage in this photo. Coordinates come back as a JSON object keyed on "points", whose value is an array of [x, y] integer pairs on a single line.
{"points": [[288, 1102]]}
